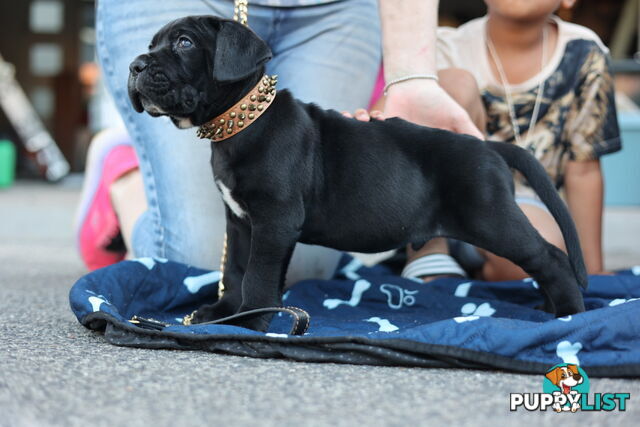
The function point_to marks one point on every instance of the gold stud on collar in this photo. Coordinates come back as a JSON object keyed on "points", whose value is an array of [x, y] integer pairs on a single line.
{"points": [[256, 102]]}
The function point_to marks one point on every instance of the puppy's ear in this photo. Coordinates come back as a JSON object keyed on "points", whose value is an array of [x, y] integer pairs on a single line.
{"points": [[554, 376], [239, 52]]}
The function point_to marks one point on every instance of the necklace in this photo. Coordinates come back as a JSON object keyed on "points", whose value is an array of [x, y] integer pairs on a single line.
{"points": [[507, 91]]}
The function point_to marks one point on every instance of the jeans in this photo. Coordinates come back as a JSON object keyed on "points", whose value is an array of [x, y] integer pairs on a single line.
{"points": [[328, 54]]}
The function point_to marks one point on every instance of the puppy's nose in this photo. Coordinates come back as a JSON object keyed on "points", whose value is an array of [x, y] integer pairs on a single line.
{"points": [[138, 65]]}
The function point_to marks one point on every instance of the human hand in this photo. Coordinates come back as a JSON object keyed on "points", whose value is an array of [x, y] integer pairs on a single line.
{"points": [[364, 115], [424, 102]]}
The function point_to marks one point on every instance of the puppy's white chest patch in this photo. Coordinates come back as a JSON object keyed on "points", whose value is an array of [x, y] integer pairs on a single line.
{"points": [[185, 123], [226, 196]]}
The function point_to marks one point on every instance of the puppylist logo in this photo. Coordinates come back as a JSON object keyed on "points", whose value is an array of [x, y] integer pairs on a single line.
{"points": [[566, 389]]}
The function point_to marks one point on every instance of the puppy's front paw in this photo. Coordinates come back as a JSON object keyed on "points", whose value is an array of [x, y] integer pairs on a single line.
{"points": [[260, 323], [207, 313]]}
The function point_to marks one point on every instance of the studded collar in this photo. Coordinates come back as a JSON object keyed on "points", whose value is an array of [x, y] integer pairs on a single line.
{"points": [[243, 113]]}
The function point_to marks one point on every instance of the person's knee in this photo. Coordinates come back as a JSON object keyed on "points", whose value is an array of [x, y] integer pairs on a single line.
{"points": [[498, 269], [545, 224]]}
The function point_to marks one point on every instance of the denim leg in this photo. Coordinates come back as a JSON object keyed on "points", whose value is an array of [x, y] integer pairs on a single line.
{"points": [[185, 218], [328, 54]]}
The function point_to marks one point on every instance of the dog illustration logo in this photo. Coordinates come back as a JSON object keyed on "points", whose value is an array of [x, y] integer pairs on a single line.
{"points": [[565, 388], [566, 379]]}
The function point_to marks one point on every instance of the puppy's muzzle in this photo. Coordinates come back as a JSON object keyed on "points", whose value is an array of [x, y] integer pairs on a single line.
{"points": [[135, 68], [138, 65], [147, 85]]}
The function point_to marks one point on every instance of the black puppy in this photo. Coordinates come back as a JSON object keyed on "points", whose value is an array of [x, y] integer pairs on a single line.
{"points": [[303, 174]]}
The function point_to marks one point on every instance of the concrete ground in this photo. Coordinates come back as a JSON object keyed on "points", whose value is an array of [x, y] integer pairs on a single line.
{"points": [[54, 372]]}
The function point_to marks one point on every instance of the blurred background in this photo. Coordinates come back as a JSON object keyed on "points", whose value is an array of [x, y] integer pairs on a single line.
{"points": [[48, 51], [52, 102]]}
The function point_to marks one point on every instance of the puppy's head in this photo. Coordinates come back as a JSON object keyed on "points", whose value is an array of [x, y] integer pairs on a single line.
{"points": [[196, 68], [565, 377]]}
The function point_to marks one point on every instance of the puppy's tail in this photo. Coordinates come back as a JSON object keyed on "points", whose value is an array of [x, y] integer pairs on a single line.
{"points": [[521, 160]]}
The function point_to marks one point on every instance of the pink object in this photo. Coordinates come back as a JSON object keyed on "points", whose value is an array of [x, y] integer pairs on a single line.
{"points": [[111, 155], [378, 88]]}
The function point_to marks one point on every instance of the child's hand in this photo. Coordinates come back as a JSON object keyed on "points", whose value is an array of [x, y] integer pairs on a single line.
{"points": [[364, 115]]}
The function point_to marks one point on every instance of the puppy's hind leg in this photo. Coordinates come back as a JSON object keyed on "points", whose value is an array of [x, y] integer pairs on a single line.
{"points": [[502, 228]]}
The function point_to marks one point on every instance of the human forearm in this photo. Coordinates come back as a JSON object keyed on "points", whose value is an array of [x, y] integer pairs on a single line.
{"points": [[409, 44], [408, 37], [585, 189]]}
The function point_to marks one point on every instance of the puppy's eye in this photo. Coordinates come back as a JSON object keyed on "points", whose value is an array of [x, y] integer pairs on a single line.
{"points": [[184, 42]]}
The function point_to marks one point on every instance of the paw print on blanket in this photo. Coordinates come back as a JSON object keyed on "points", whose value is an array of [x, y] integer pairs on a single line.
{"points": [[471, 311], [482, 310]]}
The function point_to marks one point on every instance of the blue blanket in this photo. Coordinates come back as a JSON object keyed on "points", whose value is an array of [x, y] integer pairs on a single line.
{"points": [[366, 315]]}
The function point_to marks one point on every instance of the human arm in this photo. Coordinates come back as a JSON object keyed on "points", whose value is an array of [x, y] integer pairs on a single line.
{"points": [[584, 192], [409, 48], [592, 131]]}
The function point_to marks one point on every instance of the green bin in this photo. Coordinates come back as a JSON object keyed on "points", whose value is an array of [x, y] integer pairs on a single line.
{"points": [[7, 163]]}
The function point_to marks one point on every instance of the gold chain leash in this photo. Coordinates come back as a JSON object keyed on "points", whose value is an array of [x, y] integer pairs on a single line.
{"points": [[241, 11], [240, 14], [223, 261]]}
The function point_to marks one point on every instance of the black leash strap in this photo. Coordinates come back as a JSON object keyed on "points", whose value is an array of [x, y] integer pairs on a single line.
{"points": [[301, 319]]}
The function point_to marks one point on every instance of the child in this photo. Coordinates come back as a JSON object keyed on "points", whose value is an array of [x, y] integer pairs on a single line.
{"points": [[545, 85]]}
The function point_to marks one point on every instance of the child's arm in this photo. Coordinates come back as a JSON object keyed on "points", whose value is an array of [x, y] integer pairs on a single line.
{"points": [[584, 192], [592, 131]]}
